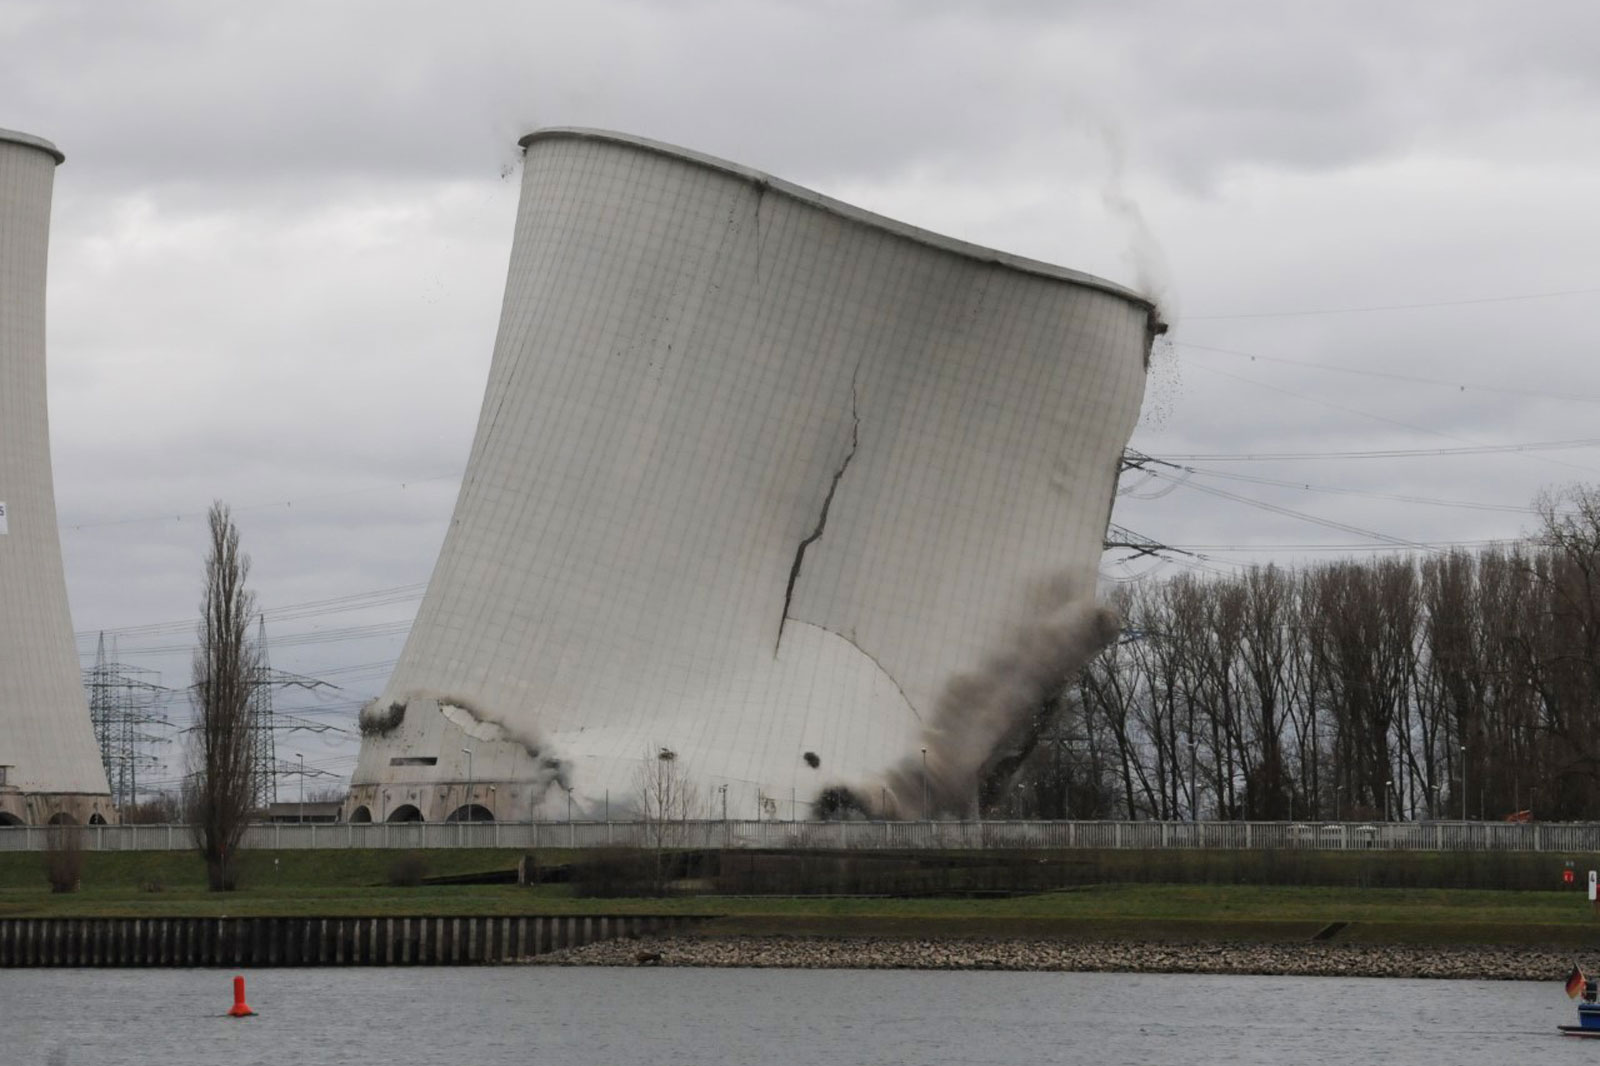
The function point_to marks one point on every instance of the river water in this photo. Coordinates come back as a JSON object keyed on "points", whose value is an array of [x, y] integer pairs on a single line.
{"points": [[665, 1017]]}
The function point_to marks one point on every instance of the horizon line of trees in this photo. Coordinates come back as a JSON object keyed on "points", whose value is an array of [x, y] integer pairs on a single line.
{"points": [[1420, 686]]}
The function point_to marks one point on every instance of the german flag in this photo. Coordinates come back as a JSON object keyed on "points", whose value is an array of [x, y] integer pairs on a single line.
{"points": [[1575, 983]]}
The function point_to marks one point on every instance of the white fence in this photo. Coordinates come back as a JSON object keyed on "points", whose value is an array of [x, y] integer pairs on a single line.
{"points": [[1341, 836]]}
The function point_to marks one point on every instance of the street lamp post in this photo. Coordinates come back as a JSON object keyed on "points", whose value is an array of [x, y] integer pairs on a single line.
{"points": [[1463, 782], [302, 759], [468, 753], [924, 784], [1387, 785], [1194, 782]]}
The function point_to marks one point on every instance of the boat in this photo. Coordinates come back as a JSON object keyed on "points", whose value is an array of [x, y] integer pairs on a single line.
{"points": [[1588, 1009], [1588, 1022]]}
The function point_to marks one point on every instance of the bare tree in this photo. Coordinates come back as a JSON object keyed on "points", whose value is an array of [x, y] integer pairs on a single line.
{"points": [[665, 797], [161, 808], [221, 787]]}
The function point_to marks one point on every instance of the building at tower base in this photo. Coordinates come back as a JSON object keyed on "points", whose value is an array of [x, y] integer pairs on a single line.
{"points": [[757, 478], [50, 768]]}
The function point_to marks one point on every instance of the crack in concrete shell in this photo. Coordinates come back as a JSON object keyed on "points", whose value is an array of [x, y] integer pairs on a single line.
{"points": [[827, 502]]}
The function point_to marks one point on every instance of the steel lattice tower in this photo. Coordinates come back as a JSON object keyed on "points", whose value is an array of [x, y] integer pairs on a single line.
{"points": [[126, 724], [263, 724]]}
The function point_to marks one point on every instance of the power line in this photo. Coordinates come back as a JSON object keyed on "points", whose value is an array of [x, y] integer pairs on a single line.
{"points": [[1435, 545], [354, 601], [297, 640], [1460, 386], [1375, 417], [1509, 508], [1385, 453], [196, 515], [1554, 294], [1289, 512]]}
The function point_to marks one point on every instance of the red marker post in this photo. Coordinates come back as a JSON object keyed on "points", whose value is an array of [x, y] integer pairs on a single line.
{"points": [[240, 1009]]}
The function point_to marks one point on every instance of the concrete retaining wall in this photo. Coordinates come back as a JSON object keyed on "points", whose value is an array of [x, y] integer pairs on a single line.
{"points": [[251, 942]]}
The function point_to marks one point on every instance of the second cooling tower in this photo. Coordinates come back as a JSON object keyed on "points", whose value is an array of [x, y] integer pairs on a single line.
{"points": [[756, 474], [50, 767]]}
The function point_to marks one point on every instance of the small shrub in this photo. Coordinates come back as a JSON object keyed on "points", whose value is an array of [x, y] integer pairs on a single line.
{"points": [[165, 808], [408, 870]]}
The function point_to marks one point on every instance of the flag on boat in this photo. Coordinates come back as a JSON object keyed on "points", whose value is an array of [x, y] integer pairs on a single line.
{"points": [[1574, 983]]}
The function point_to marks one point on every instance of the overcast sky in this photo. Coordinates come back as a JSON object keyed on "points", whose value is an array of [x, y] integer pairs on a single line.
{"points": [[280, 237]]}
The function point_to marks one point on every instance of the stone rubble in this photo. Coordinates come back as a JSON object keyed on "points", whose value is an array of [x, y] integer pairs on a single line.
{"points": [[881, 953]]}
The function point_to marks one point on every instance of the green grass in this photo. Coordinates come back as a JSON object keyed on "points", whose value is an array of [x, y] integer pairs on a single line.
{"points": [[348, 883]]}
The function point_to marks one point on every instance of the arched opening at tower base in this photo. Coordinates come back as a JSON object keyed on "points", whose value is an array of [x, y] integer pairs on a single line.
{"points": [[62, 818], [471, 812], [361, 814], [7, 818], [405, 813]]}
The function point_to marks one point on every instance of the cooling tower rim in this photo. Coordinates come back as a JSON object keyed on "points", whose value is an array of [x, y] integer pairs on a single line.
{"points": [[816, 199], [28, 140]]}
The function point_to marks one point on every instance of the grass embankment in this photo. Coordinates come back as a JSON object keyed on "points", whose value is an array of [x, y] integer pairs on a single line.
{"points": [[355, 883]]}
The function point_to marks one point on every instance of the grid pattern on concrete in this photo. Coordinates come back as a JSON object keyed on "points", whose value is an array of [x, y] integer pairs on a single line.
{"points": [[46, 743]]}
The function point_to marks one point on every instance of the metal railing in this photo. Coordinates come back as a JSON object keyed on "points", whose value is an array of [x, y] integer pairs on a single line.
{"points": [[1332, 836]]}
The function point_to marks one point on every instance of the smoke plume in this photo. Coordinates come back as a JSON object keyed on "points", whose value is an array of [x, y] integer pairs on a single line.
{"points": [[979, 711], [1152, 274]]}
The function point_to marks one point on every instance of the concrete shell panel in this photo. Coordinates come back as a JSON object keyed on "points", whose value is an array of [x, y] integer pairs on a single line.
{"points": [[755, 475], [46, 743]]}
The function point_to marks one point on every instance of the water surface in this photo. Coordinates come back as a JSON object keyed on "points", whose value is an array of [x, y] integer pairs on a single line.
{"points": [[663, 1017]]}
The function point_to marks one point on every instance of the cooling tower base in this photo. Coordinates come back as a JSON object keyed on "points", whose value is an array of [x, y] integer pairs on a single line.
{"points": [[54, 808]]}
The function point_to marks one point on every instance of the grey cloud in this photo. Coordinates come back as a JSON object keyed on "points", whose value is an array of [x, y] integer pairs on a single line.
{"points": [[301, 206]]}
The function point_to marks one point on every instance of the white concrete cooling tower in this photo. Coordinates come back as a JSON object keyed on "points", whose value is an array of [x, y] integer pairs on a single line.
{"points": [[49, 764], [757, 473]]}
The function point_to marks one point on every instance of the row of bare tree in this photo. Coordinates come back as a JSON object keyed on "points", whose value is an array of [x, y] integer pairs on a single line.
{"points": [[1431, 686]]}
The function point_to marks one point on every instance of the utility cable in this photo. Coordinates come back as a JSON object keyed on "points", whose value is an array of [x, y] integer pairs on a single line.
{"points": [[1387, 375], [1419, 306]]}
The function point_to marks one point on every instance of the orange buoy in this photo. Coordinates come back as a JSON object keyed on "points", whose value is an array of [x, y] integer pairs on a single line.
{"points": [[241, 1009]]}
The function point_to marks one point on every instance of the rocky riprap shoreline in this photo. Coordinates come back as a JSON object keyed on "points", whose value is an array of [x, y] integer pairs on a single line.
{"points": [[886, 953]]}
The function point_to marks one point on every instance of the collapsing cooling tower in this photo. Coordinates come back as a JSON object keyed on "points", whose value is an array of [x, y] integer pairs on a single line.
{"points": [[756, 474], [49, 765]]}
